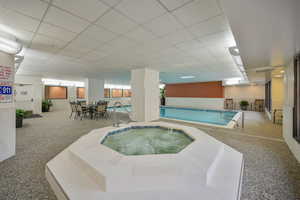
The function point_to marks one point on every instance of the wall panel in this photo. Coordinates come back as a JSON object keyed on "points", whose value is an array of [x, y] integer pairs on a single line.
{"points": [[196, 90]]}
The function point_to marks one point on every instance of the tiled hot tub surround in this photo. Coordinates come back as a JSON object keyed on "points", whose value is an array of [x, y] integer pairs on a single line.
{"points": [[202, 163]]}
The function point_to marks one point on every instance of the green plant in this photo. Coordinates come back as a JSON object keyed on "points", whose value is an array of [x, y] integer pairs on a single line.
{"points": [[46, 104], [162, 93], [20, 113], [244, 103]]}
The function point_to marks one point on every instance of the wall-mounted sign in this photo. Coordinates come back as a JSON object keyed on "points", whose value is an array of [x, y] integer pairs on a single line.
{"points": [[5, 90], [6, 84]]}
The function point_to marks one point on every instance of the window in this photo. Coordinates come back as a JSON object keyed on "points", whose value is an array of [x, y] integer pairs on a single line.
{"points": [[80, 93], [268, 96], [117, 93], [56, 92], [296, 113], [126, 93], [107, 93]]}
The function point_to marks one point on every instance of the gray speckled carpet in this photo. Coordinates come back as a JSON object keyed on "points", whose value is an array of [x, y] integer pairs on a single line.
{"points": [[271, 172]]}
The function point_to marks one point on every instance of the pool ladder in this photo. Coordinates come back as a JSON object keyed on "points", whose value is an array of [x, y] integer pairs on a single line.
{"points": [[116, 116]]}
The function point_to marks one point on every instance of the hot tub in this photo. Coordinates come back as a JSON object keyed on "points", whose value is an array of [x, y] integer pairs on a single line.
{"points": [[143, 161]]}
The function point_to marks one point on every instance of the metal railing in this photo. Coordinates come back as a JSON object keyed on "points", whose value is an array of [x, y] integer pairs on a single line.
{"points": [[242, 119], [116, 116]]}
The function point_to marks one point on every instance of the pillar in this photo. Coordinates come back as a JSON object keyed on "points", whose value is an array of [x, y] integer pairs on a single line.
{"points": [[145, 94], [7, 107], [94, 90]]}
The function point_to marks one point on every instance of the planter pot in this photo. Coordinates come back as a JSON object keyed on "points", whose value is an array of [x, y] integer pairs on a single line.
{"points": [[19, 122], [244, 107], [45, 109], [163, 101]]}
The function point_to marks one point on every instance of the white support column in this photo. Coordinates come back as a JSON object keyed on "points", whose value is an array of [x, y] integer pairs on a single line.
{"points": [[7, 115], [94, 90], [145, 94]]}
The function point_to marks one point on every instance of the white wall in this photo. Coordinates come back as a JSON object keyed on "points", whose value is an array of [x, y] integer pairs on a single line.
{"points": [[203, 103], [288, 111], [36, 90], [7, 118], [245, 92], [277, 93]]}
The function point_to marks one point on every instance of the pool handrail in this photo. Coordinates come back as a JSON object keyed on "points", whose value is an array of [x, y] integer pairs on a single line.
{"points": [[116, 119]]}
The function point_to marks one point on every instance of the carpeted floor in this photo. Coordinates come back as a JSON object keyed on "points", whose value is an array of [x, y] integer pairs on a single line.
{"points": [[271, 172]]}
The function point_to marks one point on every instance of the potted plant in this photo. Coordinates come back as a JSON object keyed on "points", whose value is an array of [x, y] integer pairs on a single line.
{"points": [[46, 104], [19, 117], [162, 97], [244, 105]]}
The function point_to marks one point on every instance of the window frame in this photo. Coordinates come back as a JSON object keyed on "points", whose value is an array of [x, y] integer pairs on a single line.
{"points": [[47, 95], [77, 92], [296, 109]]}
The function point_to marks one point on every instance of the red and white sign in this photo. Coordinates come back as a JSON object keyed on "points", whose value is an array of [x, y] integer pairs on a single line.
{"points": [[7, 81]]}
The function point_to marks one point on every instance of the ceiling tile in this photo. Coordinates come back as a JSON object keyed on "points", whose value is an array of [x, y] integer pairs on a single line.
{"points": [[191, 45], [112, 2], [141, 10], [122, 43], [87, 9], [94, 56], [220, 39], [174, 4], [163, 25], [116, 22], [65, 20], [197, 11], [212, 26], [56, 32], [84, 44], [99, 34], [105, 48], [47, 44], [177, 37], [33, 8], [18, 21], [71, 52], [141, 35]]}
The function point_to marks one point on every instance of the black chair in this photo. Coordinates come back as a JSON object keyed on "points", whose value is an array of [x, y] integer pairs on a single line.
{"points": [[81, 111], [73, 109]]}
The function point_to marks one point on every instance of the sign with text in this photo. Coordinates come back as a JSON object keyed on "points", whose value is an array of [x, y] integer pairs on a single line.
{"points": [[6, 84]]}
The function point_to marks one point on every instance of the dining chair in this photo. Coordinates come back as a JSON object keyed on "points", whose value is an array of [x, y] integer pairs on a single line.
{"points": [[228, 104], [259, 105], [100, 111], [80, 111], [73, 109]]}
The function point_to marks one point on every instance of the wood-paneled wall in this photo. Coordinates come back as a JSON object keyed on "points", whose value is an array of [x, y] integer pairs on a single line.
{"points": [[197, 90]]}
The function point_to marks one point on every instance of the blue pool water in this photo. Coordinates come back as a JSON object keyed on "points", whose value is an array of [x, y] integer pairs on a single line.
{"points": [[217, 117]]}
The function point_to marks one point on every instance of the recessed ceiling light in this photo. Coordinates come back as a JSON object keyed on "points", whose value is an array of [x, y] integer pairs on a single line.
{"points": [[187, 77]]}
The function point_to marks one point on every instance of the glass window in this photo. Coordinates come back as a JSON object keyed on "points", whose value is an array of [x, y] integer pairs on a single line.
{"points": [[56, 92]]}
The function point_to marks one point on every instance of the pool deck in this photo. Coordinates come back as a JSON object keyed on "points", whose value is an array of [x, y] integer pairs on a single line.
{"points": [[271, 171]]}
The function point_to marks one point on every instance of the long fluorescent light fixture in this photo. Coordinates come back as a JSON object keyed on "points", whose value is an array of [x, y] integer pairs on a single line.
{"points": [[235, 53], [55, 82], [9, 45], [115, 86], [187, 77]]}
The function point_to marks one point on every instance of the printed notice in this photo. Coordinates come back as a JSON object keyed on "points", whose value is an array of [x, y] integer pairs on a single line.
{"points": [[6, 84]]}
